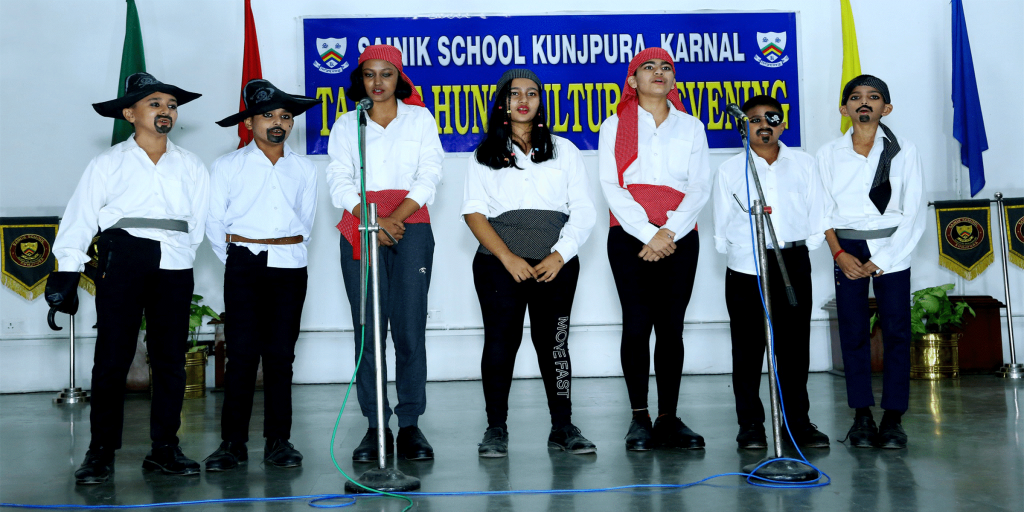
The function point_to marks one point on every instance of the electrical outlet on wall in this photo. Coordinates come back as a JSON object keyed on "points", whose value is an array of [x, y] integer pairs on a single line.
{"points": [[13, 326]]}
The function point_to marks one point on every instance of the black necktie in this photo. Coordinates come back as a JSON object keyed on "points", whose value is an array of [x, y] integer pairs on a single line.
{"points": [[881, 190]]}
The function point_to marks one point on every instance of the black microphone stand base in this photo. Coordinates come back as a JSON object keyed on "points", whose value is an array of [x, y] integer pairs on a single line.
{"points": [[1011, 371], [384, 479], [71, 396], [782, 470]]}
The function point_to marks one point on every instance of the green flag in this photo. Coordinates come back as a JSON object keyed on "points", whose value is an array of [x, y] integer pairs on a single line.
{"points": [[133, 60]]}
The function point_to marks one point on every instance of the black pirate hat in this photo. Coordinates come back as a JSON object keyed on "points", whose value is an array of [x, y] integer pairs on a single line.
{"points": [[262, 96], [136, 87]]}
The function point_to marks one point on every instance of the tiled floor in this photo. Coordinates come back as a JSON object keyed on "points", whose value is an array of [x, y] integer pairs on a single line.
{"points": [[966, 453]]}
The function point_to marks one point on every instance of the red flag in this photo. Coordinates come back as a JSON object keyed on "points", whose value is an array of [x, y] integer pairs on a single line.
{"points": [[251, 68]]}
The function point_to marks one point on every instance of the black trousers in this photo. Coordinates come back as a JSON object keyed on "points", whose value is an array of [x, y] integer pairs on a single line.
{"points": [[130, 283], [263, 306], [653, 295], [503, 303], [791, 327]]}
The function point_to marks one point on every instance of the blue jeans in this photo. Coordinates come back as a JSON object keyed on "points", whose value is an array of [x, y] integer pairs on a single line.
{"points": [[892, 293]]}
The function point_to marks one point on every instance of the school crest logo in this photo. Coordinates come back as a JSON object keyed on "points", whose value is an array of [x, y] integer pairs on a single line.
{"points": [[29, 250], [772, 46], [332, 54], [964, 233]]}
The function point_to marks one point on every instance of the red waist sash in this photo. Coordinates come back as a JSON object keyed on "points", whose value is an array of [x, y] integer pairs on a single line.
{"points": [[387, 202], [657, 201]]}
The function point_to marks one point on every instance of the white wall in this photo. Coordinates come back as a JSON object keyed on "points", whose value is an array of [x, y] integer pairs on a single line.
{"points": [[59, 56]]}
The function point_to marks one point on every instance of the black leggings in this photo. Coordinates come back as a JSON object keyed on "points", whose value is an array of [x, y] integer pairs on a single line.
{"points": [[653, 295], [503, 303]]}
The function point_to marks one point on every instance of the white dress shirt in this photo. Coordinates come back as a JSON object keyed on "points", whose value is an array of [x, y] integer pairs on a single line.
{"points": [[674, 154], [791, 188], [123, 182], [559, 184], [847, 176], [406, 155], [251, 197]]}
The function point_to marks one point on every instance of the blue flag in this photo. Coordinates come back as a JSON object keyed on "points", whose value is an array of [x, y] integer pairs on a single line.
{"points": [[968, 125]]}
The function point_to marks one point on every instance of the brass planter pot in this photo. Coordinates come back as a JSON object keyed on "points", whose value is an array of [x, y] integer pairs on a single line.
{"points": [[195, 374], [935, 356]]}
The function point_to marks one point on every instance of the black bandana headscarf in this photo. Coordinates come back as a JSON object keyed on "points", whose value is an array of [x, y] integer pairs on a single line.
{"points": [[881, 190]]}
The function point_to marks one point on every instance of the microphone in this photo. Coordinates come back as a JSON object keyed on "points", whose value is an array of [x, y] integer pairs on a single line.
{"points": [[735, 111], [365, 104]]}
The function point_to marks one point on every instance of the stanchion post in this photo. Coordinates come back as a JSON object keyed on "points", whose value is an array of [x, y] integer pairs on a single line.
{"points": [[72, 394], [1013, 370]]}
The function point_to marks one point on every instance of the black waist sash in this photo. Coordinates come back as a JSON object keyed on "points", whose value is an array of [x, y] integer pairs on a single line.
{"points": [[528, 233]]}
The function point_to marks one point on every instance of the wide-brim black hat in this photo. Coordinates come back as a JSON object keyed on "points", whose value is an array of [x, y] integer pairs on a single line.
{"points": [[137, 87], [261, 96]]}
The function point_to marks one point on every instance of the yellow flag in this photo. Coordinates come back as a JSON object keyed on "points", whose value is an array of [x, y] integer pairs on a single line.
{"points": [[851, 57]]}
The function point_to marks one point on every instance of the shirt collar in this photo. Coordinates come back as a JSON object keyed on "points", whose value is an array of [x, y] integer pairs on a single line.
{"points": [[130, 144], [251, 148], [847, 139]]}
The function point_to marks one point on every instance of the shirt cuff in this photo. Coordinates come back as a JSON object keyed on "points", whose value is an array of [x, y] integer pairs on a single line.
{"points": [[722, 245], [349, 201], [474, 206], [421, 195], [72, 263], [566, 248], [647, 233]]}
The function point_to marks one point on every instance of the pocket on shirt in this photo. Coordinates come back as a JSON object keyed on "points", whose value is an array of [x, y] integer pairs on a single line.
{"points": [[291, 188], [177, 194], [551, 185], [679, 153], [408, 154]]}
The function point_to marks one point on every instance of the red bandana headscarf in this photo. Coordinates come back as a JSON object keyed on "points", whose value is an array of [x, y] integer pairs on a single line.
{"points": [[394, 56], [626, 132]]}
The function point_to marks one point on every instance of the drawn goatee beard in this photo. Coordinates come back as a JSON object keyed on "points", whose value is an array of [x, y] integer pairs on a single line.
{"points": [[275, 138], [163, 129]]}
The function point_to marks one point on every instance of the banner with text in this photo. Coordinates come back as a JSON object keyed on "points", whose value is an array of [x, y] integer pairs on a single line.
{"points": [[720, 58]]}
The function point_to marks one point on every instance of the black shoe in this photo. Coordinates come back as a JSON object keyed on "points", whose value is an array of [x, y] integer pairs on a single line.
{"points": [[640, 436], [367, 449], [228, 456], [863, 432], [570, 439], [97, 468], [495, 443], [170, 460], [413, 445], [752, 437], [891, 436], [671, 432], [281, 453], [810, 437]]}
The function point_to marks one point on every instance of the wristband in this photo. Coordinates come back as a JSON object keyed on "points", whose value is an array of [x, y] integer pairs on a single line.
{"points": [[836, 255]]}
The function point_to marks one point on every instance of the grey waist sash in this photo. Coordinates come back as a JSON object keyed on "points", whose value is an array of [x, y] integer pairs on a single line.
{"points": [[528, 233], [139, 222], [864, 234]]}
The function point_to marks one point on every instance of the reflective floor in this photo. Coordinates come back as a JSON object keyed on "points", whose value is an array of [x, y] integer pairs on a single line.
{"points": [[966, 453]]}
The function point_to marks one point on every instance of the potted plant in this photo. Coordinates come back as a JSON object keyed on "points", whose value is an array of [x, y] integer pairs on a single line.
{"points": [[196, 350], [934, 348]]}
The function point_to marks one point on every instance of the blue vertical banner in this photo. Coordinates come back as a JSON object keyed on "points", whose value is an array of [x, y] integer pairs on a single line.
{"points": [[720, 58]]}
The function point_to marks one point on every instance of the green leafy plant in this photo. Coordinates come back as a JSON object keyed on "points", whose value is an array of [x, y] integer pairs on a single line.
{"points": [[933, 312], [195, 320]]}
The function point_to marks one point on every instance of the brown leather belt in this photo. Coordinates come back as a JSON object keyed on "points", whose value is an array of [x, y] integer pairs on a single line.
{"points": [[288, 240]]}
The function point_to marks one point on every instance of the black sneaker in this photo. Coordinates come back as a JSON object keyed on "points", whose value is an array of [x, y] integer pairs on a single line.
{"points": [[413, 445], [495, 443], [810, 437], [228, 456], [367, 449], [570, 439], [891, 436], [170, 460], [97, 468], [752, 437], [671, 432], [281, 453], [862, 433], [640, 436]]}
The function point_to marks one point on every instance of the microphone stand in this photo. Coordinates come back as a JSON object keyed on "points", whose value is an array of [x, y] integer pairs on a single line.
{"points": [[775, 468], [381, 478], [71, 394]]}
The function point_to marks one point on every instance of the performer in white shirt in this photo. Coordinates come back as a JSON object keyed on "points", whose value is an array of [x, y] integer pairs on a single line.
{"points": [[656, 177], [149, 199], [262, 204], [528, 203], [793, 191], [403, 168], [873, 202]]}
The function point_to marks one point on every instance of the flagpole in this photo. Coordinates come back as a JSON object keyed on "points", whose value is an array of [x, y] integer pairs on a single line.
{"points": [[1013, 370]]}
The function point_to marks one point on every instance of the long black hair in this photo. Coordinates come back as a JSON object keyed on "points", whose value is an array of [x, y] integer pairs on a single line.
{"points": [[496, 152], [357, 91]]}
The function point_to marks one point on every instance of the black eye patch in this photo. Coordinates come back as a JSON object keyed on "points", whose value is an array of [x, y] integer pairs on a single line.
{"points": [[773, 118]]}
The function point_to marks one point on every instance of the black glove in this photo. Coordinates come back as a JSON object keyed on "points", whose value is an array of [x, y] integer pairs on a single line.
{"points": [[62, 291]]}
